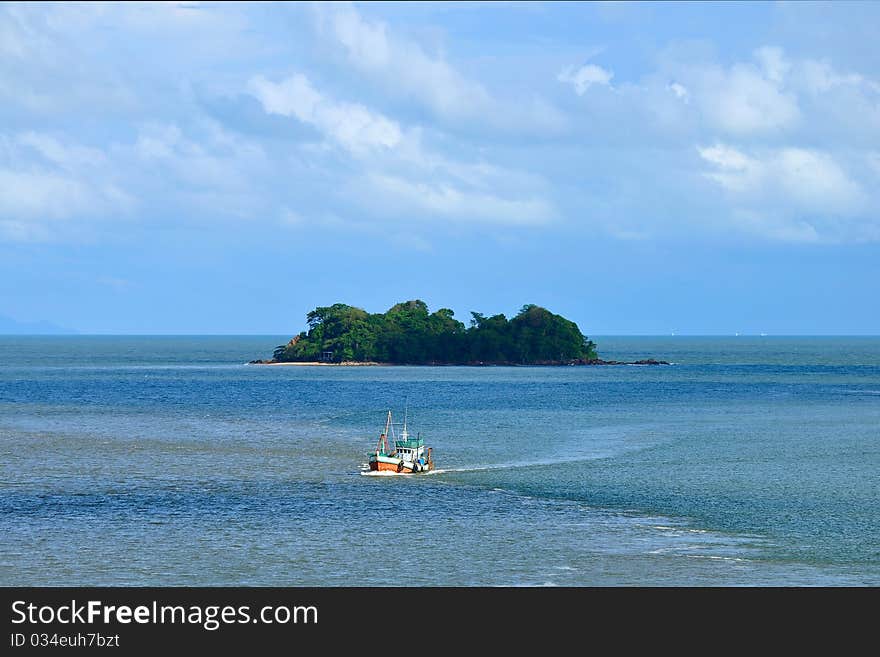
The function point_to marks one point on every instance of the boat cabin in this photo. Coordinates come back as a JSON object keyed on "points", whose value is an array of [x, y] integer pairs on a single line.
{"points": [[409, 448]]}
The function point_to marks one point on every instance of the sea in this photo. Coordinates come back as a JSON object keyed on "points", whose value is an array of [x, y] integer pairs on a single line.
{"points": [[167, 460]]}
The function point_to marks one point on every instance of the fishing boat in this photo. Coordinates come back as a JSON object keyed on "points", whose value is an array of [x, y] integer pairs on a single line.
{"points": [[408, 456]]}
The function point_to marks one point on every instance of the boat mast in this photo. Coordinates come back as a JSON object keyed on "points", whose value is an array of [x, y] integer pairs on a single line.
{"points": [[405, 413], [383, 439]]}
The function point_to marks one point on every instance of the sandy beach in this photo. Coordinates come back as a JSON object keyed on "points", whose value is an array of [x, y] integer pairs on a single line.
{"points": [[345, 363]]}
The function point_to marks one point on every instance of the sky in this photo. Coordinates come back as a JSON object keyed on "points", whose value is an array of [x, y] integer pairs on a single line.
{"points": [[192, 168]]}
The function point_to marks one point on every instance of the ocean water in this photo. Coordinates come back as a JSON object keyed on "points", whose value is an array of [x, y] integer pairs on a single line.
{"points": [[168, 461]]}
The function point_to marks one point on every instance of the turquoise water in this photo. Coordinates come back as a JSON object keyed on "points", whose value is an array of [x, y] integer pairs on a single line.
{"points": [[166, 460]]}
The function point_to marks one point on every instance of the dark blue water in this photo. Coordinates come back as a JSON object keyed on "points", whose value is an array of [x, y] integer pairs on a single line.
{"points": [[166, 460]]}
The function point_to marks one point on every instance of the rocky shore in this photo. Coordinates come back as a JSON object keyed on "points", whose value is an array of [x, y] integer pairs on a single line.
{"points": [[578, 361], [345, 363], [599, 361]]}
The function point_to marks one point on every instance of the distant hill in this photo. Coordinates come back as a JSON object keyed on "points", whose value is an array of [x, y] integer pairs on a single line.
{"points": [[408, 334], [9, 326]]}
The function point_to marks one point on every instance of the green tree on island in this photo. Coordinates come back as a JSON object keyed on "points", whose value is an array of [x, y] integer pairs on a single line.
{"points": [[408, 333]]}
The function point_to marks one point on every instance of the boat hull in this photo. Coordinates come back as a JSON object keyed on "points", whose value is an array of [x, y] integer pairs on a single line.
{"points": [[397, 465], [381, 466]]}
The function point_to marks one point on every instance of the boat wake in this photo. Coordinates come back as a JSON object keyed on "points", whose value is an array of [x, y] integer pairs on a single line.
{"points": [[482, 468], [487, 468], [391, 473], [523, 464]]}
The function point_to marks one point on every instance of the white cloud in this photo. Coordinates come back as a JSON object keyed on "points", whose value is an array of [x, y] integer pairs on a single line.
{"points": [[44, 68], [18, 39], [395, 173], [38, 198], [449, 201], [816, 180], [203, 168], [371, 48], [212, 159], [810, 180], [680, 91], [407, 70], [33, 202], [367, 43], [771, 225], [773, 63], [819, 77], [350, 125], [66, 156], [80, 58], [585, 77], [156, 142], [742, 100], [792, 194], [41, 193], [734, 170], [53, 188], [774, 95]]}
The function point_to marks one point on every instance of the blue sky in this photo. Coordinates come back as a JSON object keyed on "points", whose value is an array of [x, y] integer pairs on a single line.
{"points": [[640, 168]]}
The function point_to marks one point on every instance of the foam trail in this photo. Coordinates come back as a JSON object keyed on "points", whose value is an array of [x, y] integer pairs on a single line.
{"points": [[390, 473], [524, 464], [498, 466]]}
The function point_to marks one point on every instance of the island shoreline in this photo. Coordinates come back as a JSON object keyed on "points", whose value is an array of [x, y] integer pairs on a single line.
{"points": [[583, 363]]}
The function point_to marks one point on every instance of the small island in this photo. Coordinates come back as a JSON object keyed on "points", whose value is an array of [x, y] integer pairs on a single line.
{"points": [[407, 334]]}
